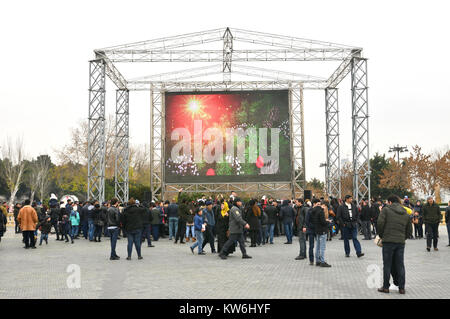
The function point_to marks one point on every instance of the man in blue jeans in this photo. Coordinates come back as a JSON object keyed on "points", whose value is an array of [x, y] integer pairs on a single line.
{"points": [[287, 214], [347, 216], [172, 214], [199, 227]]}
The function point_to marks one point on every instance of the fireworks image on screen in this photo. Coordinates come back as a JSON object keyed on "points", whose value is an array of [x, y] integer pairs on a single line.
{"points": [[227, 136]]}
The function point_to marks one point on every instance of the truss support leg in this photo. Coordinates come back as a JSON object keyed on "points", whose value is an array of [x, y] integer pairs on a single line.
{"points": [[156, 144], [333, 168], [121, 167], [298, 140], [360, 129], [96, 131], [227, 55]]}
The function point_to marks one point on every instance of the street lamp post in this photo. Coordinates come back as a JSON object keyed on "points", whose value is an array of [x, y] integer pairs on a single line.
{"points": [[327, 189], [398, 149]]}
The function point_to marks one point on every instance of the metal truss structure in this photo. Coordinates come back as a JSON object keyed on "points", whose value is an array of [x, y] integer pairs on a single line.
{"points": [[121, 169], [234, 48], [360, 131], [333, 164]]}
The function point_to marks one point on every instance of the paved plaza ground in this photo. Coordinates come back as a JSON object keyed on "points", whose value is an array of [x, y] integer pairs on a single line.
{"points": [[171, 271]]}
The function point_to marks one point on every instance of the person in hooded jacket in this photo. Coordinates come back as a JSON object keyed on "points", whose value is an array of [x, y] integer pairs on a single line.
{"points": [[287, 214], [131, 220], [394, 227]]}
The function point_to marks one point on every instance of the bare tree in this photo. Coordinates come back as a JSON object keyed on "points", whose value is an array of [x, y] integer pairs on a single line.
{"points": [[14, 165], [76, 151], [44, 165], [33, 178]]}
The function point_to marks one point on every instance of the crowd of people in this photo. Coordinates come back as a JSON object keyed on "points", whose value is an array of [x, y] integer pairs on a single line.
{"points": [[224, 223]]}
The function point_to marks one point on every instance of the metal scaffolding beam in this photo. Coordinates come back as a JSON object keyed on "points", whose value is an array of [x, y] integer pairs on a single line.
{"points": [[261, 55], [333, 165], [96, 131], [121, 145], [223, 86], [360, 129]]}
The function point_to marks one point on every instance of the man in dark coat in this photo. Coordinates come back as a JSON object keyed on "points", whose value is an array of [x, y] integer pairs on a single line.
{"points": [[287, 215], [236, 225], [17, 208], [146, 221], [272, 214], [431, 218], [365, 220], [320, 224], [347, 216], [182, 218], [394, 227], [447, 221], [301, 226]]}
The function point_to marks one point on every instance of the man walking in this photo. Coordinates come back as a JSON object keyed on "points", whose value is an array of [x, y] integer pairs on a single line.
{"points": [[431, 218], [394, 227], [199, 228], [347, 215], [237, 223], [208, 216], [28, 220]]}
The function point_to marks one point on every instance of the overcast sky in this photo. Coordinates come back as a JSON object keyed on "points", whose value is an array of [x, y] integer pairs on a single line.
{"points": [[46, 45]]}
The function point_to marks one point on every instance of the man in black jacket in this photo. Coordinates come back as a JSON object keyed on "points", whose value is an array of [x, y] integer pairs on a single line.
{"points": [[347, 216], [320, 223], [272, 213], [146, 222], [54, 216], [365, 220]]}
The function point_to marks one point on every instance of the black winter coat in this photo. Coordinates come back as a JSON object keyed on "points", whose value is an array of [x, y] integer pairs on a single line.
{"points": [[365, 213], [271, 212], [287, 213], [318, 220], [131, 218]]}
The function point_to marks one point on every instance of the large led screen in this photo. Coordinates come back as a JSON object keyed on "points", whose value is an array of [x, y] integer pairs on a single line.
{"points": [[220, 137]]}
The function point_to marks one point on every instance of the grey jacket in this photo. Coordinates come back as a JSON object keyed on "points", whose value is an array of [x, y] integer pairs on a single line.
{"points": [[236, 223], [394, 224]]}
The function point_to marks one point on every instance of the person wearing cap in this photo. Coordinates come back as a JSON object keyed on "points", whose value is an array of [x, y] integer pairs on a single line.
{"points": [[236, 225], [431, 218]]}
